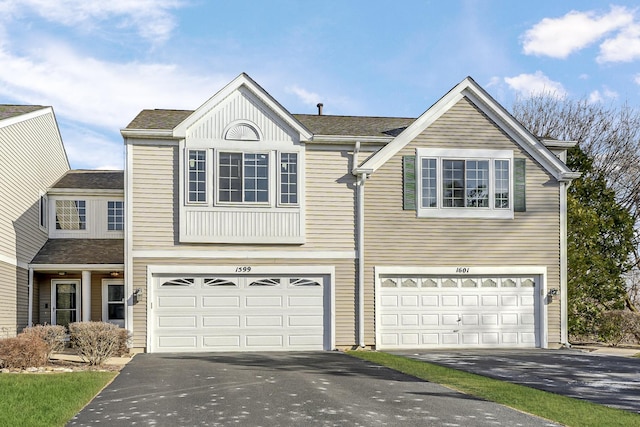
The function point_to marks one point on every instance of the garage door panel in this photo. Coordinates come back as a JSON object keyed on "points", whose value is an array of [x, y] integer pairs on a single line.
{"points": [[175, 341], [300, 320], [264, 341], [305, 340], [177, 321], [312, 301], [457, 312], [221, 301], [221, 341], [176, 302], [263, 321], [220, 321], [263, 301]]}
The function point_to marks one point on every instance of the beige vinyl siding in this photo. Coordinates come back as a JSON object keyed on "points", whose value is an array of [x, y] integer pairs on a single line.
{"points": [[394, 237], [32, 159], [8, 300], [329, 202], [344, 290]]}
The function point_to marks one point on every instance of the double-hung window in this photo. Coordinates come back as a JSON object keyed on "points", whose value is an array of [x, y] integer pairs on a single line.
{"points": [[197, 185], [115, 215], [464, 183]]}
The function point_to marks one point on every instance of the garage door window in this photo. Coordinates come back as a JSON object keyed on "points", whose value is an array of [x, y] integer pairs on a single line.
{"points": [[266, 282], [179, 282], [219, 282], [303, 282]]}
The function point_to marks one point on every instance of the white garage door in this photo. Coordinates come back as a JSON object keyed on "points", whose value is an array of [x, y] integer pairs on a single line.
{"points": [[432, 312], [239, 313]]}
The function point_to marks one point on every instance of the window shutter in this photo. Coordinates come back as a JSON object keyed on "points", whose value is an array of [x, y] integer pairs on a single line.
{"points": [[519, 185], [409, 183]]}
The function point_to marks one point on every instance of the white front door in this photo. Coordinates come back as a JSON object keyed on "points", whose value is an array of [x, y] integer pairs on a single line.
{"points": [[65, 302], [113, 301]]}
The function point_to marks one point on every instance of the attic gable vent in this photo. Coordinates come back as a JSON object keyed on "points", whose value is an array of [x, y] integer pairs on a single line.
{"points": [[242, 132]]}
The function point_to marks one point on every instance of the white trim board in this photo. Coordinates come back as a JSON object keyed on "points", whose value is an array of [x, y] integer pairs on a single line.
{"points": [[207, 254]]}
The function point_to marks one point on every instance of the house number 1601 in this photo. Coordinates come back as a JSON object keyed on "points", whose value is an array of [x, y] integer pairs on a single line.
{"points": [[462, 270], [244, 269]]}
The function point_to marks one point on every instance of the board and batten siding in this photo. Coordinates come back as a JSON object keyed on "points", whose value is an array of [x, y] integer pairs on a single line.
{"points": [[32, 159], [344, 290], [396, 237]]}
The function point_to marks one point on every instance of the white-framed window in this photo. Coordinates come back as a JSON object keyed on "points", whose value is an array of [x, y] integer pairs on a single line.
{"points": [[115, 215], [289, 178], [464, 183], [71, 215], [197, 176], [43, 212], [243, 177]]}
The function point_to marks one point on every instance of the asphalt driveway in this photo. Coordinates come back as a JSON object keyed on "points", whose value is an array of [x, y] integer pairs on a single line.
{"points": [[282, 389], [604, 379]]}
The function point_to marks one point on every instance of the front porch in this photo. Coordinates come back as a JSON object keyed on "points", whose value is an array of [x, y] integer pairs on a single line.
{"points": [[78, 280]]}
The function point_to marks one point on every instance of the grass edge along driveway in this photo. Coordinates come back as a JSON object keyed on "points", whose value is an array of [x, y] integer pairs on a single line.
{"points": [[560, 409], [48, 399]]}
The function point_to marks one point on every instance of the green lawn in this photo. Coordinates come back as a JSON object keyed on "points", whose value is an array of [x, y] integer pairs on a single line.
{"points": [[560, 409], [47, 399]]}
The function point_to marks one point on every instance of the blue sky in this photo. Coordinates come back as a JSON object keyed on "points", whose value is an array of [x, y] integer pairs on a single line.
{"points": [[98, 63]]}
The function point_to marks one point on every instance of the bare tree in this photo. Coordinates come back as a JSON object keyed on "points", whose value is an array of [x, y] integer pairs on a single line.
{"points": [[608, 134]]}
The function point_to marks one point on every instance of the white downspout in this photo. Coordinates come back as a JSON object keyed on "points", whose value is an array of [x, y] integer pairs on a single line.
{"points": [[30, 316], [362, 177], [564, 315]]}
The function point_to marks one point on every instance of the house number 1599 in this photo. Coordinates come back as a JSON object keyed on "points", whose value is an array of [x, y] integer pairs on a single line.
{"points": [[243, 269]]}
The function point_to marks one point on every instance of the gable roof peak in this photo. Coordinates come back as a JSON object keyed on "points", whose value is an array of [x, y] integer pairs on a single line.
{"points": [[242, 80], [469, 89]]}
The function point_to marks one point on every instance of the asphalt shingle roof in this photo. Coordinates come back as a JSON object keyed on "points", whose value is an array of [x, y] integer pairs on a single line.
{"points": [[92, 179], [318, 125], [8, 111], [81, 251]]}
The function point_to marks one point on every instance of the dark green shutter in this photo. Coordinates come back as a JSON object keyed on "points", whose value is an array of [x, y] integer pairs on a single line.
{"points": [[519, 185], [409, 183]]}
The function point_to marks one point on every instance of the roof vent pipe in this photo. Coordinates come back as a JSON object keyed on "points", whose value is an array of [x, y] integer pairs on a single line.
{"points": [[320, 105]]}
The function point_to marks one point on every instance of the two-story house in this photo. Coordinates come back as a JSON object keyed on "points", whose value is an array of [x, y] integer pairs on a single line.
{"points": [[32, 158], [251, 228]]}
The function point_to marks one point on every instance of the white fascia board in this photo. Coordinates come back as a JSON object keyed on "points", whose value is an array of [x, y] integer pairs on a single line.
{"points": [[243, 79], [146, 133], [469, 270], [84, 192], [341, 139], [23, 117]]}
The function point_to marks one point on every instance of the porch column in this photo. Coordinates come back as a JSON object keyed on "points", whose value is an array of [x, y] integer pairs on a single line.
{"points": [[86, 296]]}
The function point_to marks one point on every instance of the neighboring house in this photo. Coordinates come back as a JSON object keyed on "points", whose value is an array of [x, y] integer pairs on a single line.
{"points": [[250, 228], [78, 273], [32, 158]]}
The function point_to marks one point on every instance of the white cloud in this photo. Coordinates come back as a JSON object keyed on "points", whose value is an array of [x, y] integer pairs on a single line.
{"points": [[305, 96], [606, 94], [535, 84], [96, 92], [559, 37], [151, 18], [624, 47]]}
